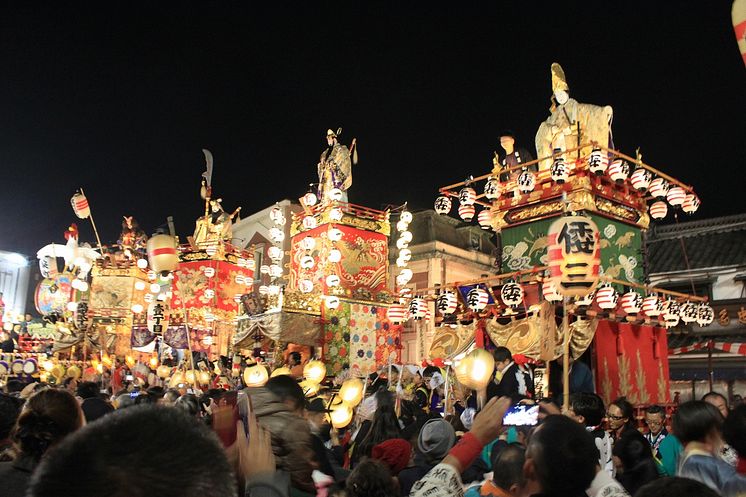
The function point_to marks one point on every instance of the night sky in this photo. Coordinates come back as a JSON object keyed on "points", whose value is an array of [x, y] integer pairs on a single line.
{"points": [[121, 101]]}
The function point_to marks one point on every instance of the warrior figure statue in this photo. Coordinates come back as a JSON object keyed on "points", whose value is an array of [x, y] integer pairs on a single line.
{"points": [[334, 168]]}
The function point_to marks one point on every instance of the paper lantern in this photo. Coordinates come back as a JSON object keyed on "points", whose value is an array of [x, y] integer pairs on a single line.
{"points": [[676, 196], [652, 305], [526, 182], [203, 377], [336, 214], [335, 194], [492, 188], [273, 289], [402, 243], [598, 161], [511, 294], [688, 312], [397, 314], [332, 280], [209, 293], [310, 389], [137, 308], [335, 255], [255, 376], [402, 225], [606, 297], [142, 263], [332, 302], [466, 212], [276, 235], [305, 286], [80, 206], [282, 371], [163, 371], [640, 179], [690, 204], [276, 213], [335, 234], [443, 205], [574, 253], [417, 308], [307, 262], [550, 292], [401, 262], [485, 219], [405, 275], [71, 306], [341, 416], [248, 281], [406, 236], [467, 196], [477, 299], [402, 280], [308, 243], [314, 371], [670, 308], [309, 222], [559, 170], [162, 255], [351, 392], [478, 368], [658, 210], [405, 254], [190, 376], [705, 315], [275, 270], [275, 253], [406, 217], [631, 302], [618, 170], [310, 199], [446, 303], [659, 188]]}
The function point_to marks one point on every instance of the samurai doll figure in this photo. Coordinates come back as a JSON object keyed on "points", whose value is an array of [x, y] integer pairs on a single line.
{"points": [[334, 168], [132, 240], [216, 226]]}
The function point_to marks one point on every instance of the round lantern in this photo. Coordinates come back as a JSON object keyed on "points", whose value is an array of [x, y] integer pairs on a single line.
{"points": [[477, 299], [163, 371], [631, 302], [586, 300], [574, 253], [467, 196], [335, 194], [705, 315], [275, 214], [336, 214], [335, 234], [526, 182], [690, 204], [305, 286], [405, 276], [652, 305], [606, 297], [401, 243], [310, 389], [152, 276], [263, 290], [162, 255], [417, 308], [142, 263], [332, 280], [406, 217], [281, 371], [276, 235], [400, 262], [670, 308], [275, 270], [71, 306], [618, 170], [443, 205], [446, 303], [402, 225], [314, 371], [255, 376], [478, 369], [550, 292], [209, 272], [658, 210], [559, 170], [676, 196], [466, 212], [209, 293], [397, 314], [340, 416], [492, 188], [351, 392], [310, 222], [406, 236], [640, 179], [306, 262], [80, 206], [688, 312], [137, 308], [248, 280], [332, 302], [405, 254], [598, 161], [659, 188], [139, 285], [275, 253], [335, 255], [511, 294], [310, 199], [485, 219], [308, 243]]}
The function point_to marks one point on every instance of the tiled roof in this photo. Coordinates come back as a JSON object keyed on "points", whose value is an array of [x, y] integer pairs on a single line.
{"points": [[715, 242]]}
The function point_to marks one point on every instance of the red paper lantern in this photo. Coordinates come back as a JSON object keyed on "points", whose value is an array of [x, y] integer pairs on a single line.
{"points": [[618, 170], [640, 179], [485, 219], [606, 297], [676, 196], [658, 210], [658, 188], [397, 314], [652, 306], [466, 212], [574, 253], [467, 196], [550, 292], [631, 302], [691, 204]]}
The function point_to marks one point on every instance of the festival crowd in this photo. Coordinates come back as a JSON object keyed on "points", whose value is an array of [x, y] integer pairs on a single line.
{"points": [[86, 439]]}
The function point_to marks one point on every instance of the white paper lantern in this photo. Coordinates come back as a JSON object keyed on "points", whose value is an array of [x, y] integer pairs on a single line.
{"points": [[209, 293], [511, 294], [406, 235], [446, 303], [405, 254], [306, 262], [276, 235], [631, 302], [705, 315], [691, 204], [492, 188], [676, 196], [137, 308], [443, 205], [332, 302], [151, 275], [485, 219], [526, 182], [417, 308], [248, 281], [467, 196], [397, 314], [652, 305], [211, 250], [139, 286], [250, 264], [310, 222], [276, 213], [305, 286], [670, 308], [688, 312], [477, 299], [72, 307], [264, 269], [310, 199], [335, 194], [335, 234], [618, 170], [640, 179], [209, 271], [659, 188], [658, 210], [240, 279], [406, 216], [263, 290], [606, 297], [598, 161], [405, 276], [401, 243], [559, 171], [332, 280], [155, 288], [336, 214], [273, 289], [466, 212], [550, 292], [148, 297], [275, 253], [402, 225], [82, 286], [401, 262], [335, 255], [308, 243], [142, 263], [275, 271]]}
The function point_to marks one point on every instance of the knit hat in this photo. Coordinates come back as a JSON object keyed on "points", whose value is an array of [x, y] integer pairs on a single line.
{"points": [[394, 453], [436, 439]]}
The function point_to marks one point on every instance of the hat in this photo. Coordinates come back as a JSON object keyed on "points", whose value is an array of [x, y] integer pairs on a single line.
{"points": [[436, 439], [467, 417], [394, 453], [506, 132], [558, 78]]}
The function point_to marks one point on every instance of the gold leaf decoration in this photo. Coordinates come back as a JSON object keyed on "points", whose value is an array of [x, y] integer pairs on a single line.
{"points": [[662, 386], [606, 386], [641, 380], [624, 389]]}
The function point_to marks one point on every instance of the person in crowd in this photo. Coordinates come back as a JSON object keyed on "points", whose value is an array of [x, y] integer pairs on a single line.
{"points": [[422, 391], [507, 474], [665, 446], [395, 453], [93, 405], [170, 397], [698, 425], [588, 410], [318, 420], [278, 407], [621, 417], [384, 426], [734, 432], [172, 456], [10, 408], [672, 486], [70, 384], [727, 453], [47, 418], [295, 364], [510, 380], [189, 403], [435, 440], [371, 478], [634, 460]]}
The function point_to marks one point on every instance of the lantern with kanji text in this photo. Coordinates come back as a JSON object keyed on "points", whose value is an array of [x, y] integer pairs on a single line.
{"points": [[640, 179], [574, 253], [443, 205], [631, 302], [446, 303], [598, 161]]}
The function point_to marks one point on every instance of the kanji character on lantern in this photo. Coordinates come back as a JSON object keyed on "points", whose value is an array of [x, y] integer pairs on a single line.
{"points": [[574, 252]]}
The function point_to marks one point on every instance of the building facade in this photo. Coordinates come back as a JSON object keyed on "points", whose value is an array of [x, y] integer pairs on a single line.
{"points": [[14, 283]]}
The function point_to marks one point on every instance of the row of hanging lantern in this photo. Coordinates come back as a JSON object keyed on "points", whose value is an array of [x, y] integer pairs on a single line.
{"points": [[334, 256], [275, 253], [402, 245]]}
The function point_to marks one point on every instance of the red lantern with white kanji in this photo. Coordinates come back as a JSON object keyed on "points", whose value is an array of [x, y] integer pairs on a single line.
{"points": [[477, 299], [466, 211], [598, 161], [397, 314], [574, 253], [690, 204], [658, 210], [652, 306], [467, 196], [659, 188], [446, 303], [631, 302], [676, 196], [607, 298], [485, 219], [619, 170], [640, 179]]}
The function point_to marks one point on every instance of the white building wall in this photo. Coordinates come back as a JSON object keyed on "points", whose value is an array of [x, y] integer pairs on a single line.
{"points": [[14, 282]]}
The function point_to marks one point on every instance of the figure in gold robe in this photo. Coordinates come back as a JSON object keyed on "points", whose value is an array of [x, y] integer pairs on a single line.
{"points": [[216, 227], [334, 168]]}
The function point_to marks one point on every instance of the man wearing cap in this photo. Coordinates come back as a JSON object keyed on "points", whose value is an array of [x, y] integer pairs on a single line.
{"points": [[433, 443], [318, 421], [334, 168], [513, 156]]}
